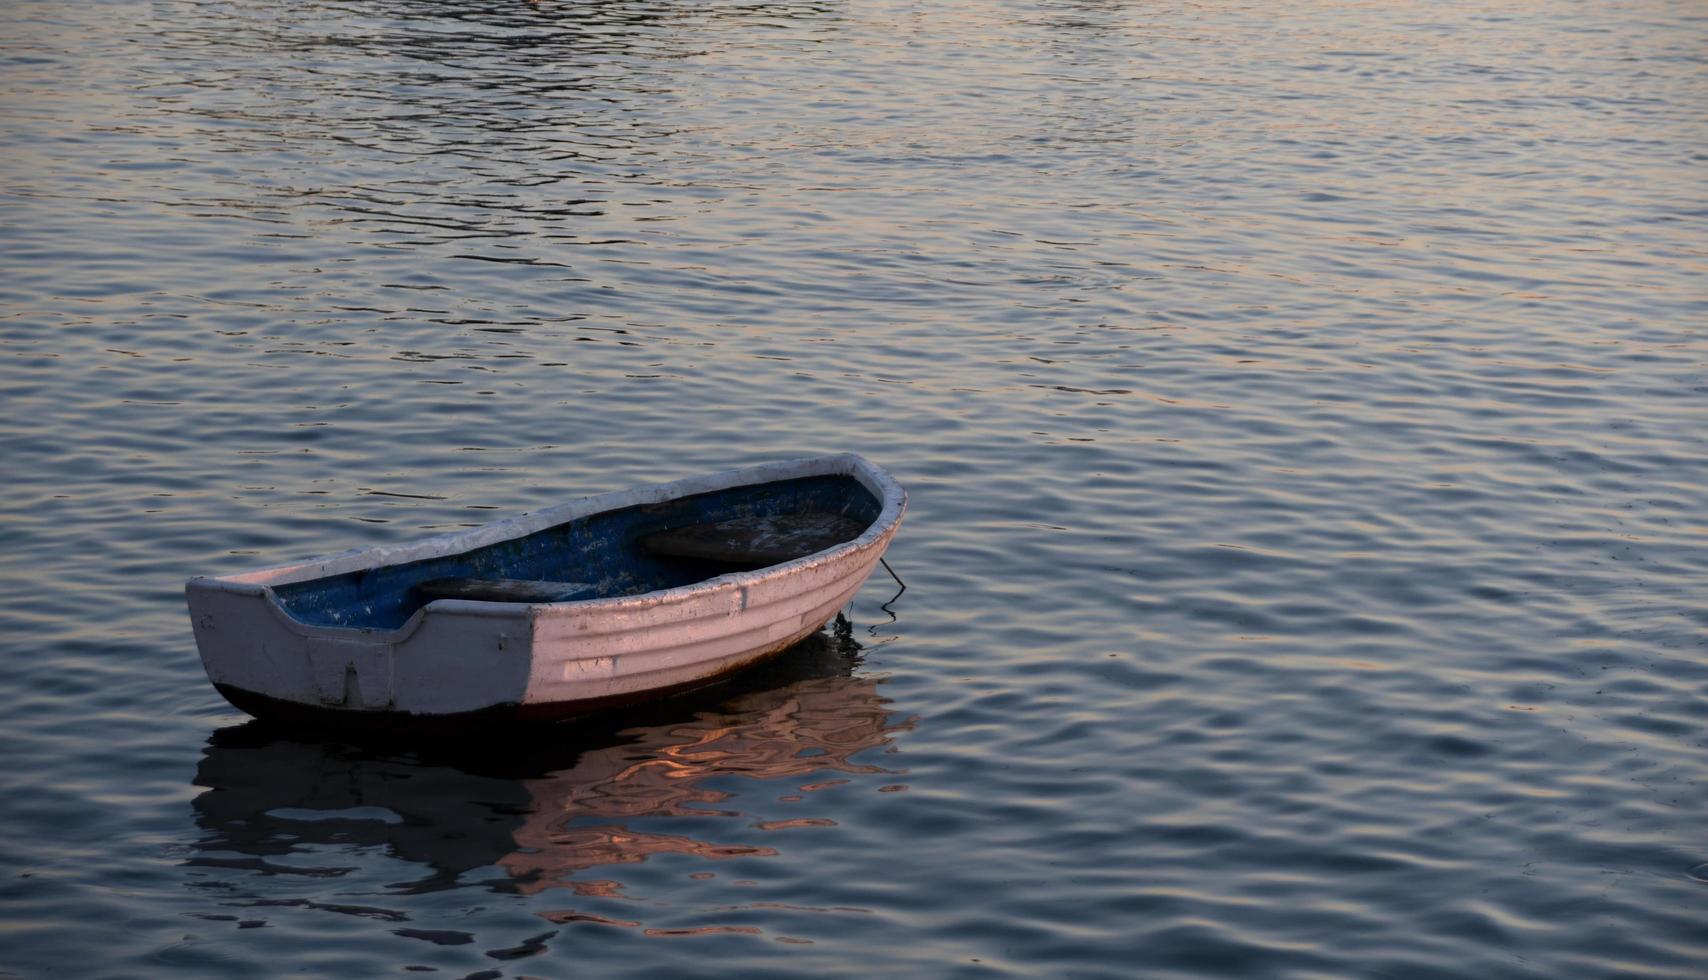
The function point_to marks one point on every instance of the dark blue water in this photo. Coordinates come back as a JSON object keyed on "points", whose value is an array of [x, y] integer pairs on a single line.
{"points": [[1303, 407]]}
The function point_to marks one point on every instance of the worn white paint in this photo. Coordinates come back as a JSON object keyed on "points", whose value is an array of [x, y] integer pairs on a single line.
{"points": [[457, 655]]}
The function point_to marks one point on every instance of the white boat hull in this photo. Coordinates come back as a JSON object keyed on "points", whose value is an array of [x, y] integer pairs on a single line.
{"points": [[465, 659]]}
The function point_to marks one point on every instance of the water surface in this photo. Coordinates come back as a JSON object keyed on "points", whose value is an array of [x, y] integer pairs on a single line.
{"points": [[1303, 408]]}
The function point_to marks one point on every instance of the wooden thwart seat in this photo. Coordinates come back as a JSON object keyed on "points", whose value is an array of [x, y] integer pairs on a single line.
{"points": [[503, 590], [754, 541]]}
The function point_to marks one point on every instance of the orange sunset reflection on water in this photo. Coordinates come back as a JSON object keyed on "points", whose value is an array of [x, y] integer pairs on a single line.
{"points": [[801, 732], [273, 801]]}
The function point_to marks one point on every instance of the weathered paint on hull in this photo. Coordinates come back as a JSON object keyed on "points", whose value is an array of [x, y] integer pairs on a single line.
{"points": [[498, 716], [537, 712], [470, 664]]}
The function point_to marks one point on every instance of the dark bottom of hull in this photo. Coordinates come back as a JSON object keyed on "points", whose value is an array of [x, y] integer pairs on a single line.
{"points": [[497, 717]]}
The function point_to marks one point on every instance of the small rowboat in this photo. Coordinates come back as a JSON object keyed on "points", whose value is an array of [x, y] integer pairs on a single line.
{"points": [[585, 606]]}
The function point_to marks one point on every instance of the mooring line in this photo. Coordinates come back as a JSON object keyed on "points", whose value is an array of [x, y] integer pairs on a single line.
{"points": [[886, 606]]}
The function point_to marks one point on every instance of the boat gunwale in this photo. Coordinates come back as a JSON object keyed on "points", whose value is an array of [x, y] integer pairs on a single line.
{"points": [[259, 583]]}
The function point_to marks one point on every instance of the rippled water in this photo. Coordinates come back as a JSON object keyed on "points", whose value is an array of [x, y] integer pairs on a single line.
{"points": [[1303, 407]]}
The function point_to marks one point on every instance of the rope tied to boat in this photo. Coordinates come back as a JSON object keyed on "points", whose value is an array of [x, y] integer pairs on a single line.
{"points": [[886, 606]]}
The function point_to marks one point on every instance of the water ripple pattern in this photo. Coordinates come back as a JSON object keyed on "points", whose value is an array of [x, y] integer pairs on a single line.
{"points": [[1303, 407]]}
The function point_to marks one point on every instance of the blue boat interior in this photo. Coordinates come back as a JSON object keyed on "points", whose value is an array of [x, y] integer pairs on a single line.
{"points": [[600, 550]]}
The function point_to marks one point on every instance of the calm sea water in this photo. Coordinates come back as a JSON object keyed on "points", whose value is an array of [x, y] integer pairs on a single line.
{"points": [[1303, 406]]}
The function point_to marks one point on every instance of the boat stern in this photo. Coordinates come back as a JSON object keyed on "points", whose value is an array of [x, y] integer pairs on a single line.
{"points": [[451, 658]]}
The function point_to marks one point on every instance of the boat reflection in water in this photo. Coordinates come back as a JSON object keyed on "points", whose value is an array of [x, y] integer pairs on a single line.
{"points": [[275, 800]]}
